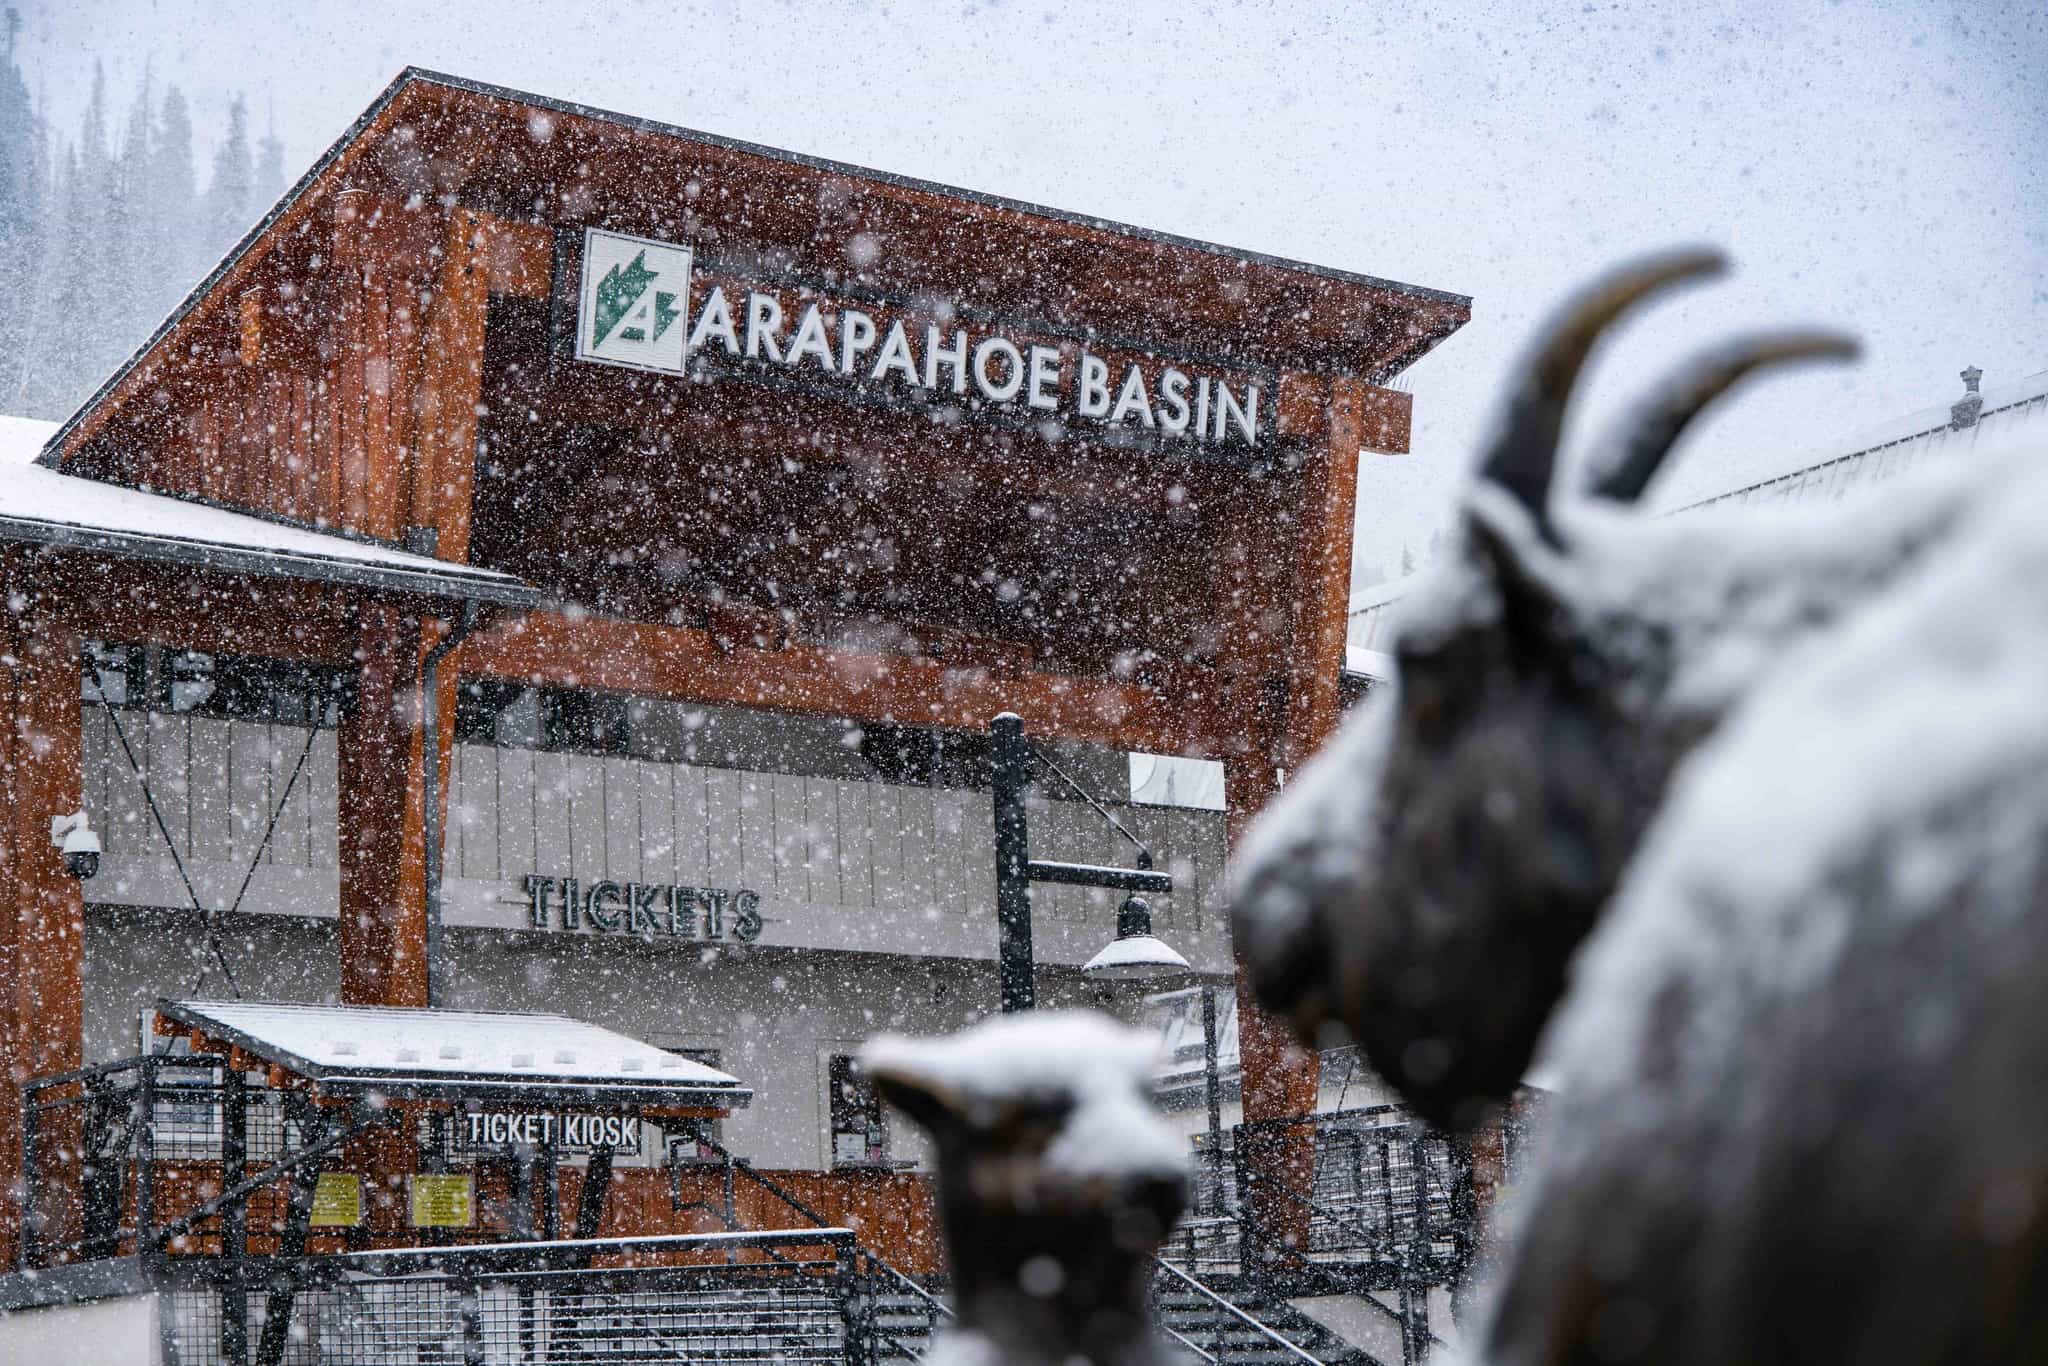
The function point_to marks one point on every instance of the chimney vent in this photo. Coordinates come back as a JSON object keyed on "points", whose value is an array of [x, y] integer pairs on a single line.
{"points": [[1963, 412]]}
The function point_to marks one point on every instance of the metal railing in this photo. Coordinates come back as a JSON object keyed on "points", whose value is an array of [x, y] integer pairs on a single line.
{"points": [[1222, 1311], [568, 1303]]}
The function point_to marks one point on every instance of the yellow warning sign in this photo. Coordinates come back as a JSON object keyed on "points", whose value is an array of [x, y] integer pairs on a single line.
{"points": [[338, 1200], [443, 1201]]}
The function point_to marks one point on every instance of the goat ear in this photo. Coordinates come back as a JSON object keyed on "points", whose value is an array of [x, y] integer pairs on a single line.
{"points": [[1528, 601], [935, 1107]]}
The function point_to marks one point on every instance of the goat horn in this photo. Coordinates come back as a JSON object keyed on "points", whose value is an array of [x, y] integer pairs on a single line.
{"points": [[1525, 453], [1657, 428]]}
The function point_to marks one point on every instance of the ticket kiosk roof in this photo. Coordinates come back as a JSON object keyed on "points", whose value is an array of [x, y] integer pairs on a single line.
{"points": [[457, 1054]]}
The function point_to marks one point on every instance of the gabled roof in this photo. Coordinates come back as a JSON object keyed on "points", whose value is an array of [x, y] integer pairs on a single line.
{"points": [[41, 506], [434, 135]]}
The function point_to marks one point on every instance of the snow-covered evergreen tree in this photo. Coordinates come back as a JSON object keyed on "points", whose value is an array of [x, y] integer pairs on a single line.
{"points": [[21, 216], [228, 210], [269, 184], [174, 201]]}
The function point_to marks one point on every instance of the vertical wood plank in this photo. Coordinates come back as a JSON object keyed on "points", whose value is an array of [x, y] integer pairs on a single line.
{"points": [[479, 818], [129, 828], [169, 768], [695, 831], [821, 841], [584, 774], [856, 850], [948, 820], [792, 851], [658, 823], [885, 849], [93, 741], [975, 869], [321, 794], [914, 819], [513, 812], [760, 860], [209, 789], [551, 814], [249, 798], [622, 783]]}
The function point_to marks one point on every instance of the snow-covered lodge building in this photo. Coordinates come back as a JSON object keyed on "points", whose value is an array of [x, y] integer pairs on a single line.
{"points": [[559, 563]]}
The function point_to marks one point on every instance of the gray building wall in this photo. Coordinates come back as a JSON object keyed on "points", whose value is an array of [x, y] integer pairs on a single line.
{"points": [[877, 900]]}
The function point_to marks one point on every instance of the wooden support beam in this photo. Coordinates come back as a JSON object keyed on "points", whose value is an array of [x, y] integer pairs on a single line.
{"points": [[383, 932], [133, 603], [1280, 1078], [687, 664], [1327, 496], [451, 363], [42, 917]]}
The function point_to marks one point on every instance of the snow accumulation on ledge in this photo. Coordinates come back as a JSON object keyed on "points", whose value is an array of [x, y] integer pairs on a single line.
{"points": [[42, 506], [1105, 1067]]}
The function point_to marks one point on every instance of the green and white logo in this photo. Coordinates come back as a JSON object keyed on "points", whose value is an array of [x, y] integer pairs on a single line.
{"points": [[631, 306]]}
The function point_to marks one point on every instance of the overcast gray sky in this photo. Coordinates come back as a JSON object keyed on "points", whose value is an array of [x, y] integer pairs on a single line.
{"points": [[1877, 166]]}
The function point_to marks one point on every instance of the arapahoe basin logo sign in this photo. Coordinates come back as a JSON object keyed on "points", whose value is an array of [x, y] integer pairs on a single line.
{"points": [[635, 293], [634, 307]]}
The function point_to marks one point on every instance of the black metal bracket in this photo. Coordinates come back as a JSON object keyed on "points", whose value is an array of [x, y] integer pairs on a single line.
{"points": [[1095, 875], [1010, 771]]}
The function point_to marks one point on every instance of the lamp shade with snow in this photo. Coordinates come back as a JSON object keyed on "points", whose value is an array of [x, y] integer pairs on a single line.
{"points": [[1135, 955]]}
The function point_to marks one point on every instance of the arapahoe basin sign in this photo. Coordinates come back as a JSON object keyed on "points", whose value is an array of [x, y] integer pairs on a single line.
{"points": [[651, 305]]}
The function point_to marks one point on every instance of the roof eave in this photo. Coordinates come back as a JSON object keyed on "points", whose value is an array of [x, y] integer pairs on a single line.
{"points": [[53, 450], [269, 563]]}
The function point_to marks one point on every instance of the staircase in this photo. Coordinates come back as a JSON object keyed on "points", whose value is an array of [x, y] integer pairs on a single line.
{"points": [[1241, 1330]]}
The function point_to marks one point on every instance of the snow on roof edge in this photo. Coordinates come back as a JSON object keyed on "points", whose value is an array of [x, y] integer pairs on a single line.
{"points": [[44, 506]]}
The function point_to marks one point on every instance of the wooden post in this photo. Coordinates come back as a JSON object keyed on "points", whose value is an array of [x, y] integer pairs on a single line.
{"points": [[383, 931], [42, 917], [1280, 1079], [451, 363]]}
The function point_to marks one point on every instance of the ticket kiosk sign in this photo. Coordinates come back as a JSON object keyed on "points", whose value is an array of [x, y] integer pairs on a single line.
{"points": [[566, 1132]]}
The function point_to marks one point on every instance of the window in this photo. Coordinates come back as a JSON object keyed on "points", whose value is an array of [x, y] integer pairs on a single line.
{"points": [[860, 1133], [491, 711], [235, 687]]}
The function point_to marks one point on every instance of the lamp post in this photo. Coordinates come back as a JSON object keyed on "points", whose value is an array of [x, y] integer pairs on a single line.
{"points": [[1134, 955]]}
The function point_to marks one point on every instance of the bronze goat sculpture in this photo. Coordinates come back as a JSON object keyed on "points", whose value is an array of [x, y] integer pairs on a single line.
{"points": [[1057, 1182], [1742, 821]]}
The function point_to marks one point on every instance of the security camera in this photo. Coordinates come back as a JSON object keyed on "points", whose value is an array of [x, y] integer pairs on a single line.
{"points": [[73, 834]]}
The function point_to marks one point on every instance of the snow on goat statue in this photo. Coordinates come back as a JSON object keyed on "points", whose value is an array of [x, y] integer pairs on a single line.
{"points": [[1057, 1182], [1737, 824]]}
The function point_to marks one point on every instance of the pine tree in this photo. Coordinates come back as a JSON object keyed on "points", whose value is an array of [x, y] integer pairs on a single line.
{"points": [[228, 212], [174, 200], [269, 169], [128, 242], [78, 333], [21, 220]]}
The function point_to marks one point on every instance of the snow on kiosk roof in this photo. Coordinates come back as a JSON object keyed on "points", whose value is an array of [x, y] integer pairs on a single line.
{"points": [[455, 1054]]}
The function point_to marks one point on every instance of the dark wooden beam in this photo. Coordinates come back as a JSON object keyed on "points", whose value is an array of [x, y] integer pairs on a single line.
{"points": [[1172, 716], [42, 925]]}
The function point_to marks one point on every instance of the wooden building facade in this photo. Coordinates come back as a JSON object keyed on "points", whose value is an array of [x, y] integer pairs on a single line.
{"points": [[511, 405]]}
